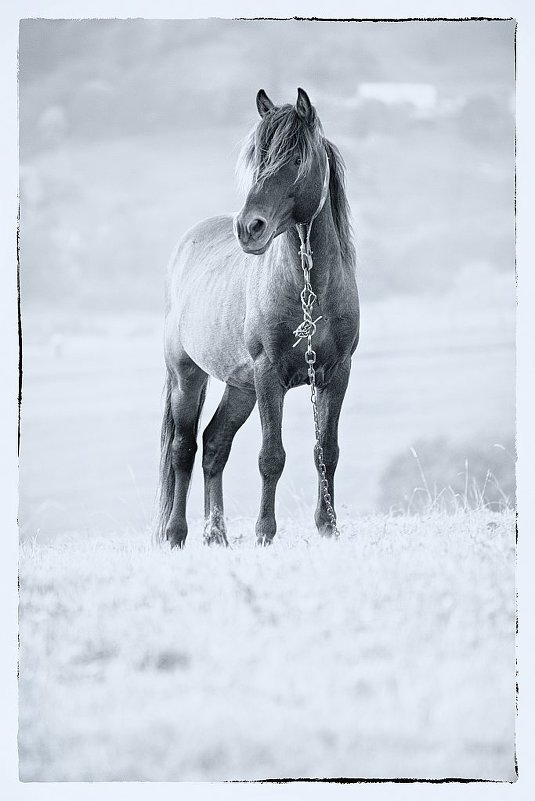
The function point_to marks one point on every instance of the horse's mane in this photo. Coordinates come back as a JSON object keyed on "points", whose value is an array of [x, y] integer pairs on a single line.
{"points": [[282, 135], [339, 203]]}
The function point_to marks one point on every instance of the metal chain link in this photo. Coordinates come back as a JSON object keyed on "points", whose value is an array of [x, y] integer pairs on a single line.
{"points": [[307, 329]]}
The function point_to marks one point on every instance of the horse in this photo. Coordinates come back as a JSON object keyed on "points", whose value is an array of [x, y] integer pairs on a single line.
{"points": [[232, 306]]}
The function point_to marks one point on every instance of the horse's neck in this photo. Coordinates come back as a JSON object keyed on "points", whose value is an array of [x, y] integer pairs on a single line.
{"points": [[326, 254]]}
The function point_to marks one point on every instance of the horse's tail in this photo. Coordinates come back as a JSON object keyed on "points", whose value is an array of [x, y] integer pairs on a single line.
{"points": [[166, 490]]}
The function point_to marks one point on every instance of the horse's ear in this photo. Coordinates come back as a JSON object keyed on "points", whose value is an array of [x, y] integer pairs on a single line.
{"points": [[263, 103], [304, 106]]}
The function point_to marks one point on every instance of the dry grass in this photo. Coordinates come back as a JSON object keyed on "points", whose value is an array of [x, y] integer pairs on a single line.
{"points": [[388, 653]]}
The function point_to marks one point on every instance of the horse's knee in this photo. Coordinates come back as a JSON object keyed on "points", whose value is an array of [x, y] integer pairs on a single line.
{"points": [[331, 452], [271, 463]]}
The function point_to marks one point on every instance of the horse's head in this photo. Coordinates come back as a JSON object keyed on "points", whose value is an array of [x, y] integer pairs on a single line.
{"points": [[286, 155]]}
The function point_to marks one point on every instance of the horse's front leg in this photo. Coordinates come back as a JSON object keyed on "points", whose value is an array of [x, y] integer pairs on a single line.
{"points": [[329, 399], [270, 394]]}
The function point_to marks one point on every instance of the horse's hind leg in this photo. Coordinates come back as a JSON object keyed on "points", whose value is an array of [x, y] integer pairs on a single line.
{"points": [[188, 389], [234, 409], [271, 458]]}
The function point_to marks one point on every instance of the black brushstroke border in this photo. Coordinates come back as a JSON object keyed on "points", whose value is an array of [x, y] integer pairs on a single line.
{"points": [[332, 780]]}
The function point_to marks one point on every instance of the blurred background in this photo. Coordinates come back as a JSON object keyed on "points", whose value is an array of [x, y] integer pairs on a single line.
{"points": [[129, 133]]}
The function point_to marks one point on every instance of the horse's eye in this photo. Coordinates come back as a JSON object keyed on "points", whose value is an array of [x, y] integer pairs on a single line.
{"points": [[298, 161]]}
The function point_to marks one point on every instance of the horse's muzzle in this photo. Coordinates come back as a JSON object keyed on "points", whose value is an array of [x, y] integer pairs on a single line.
{"points": [[252, 232]]}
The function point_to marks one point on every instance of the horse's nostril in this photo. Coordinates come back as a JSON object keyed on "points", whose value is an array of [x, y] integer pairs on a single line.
{"points": [[256, 227]]}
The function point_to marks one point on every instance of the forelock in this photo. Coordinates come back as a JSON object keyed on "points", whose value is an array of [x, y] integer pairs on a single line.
{"points": [[279, 136]]}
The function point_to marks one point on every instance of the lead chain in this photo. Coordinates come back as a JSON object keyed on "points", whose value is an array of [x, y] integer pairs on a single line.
{"points": [[307, 329]]}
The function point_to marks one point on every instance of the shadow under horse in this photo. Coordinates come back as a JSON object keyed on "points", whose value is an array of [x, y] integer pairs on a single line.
{"points": [[233, 304]]}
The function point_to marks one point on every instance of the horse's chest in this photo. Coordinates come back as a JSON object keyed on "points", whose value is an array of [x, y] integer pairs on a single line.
{"points": [[332, 344]]}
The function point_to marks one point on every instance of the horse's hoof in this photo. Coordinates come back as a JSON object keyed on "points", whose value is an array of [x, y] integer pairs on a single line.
{"points": [[215, 536], [176, 539], [327, 531], [176, 542]]}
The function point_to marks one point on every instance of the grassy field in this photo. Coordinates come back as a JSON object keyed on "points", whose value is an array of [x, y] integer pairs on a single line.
{"points": [[387, 653]]}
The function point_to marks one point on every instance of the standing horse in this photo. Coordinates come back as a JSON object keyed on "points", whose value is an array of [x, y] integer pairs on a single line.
{"points": [[231, 313]]}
